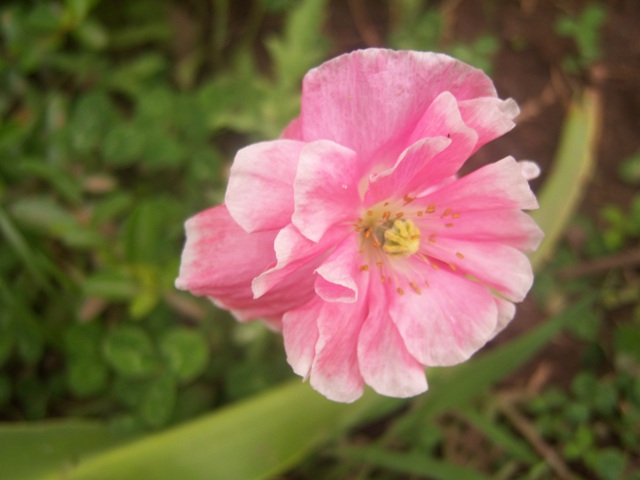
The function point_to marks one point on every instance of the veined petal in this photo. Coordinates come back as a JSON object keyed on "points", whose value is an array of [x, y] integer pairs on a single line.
{"points": [[385, 363], [500, 266], [336, 280], [300, 332], [260, 191], [489, 117], [497, 186], [220, 260], [326, 188], [294, 252], [335, 371], [390, 90], [448, 321], [514, 228], [402, 178]]}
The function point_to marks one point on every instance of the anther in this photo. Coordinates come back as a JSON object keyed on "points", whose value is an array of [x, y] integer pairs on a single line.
{"points": [[369, 212], [420, 213], [415, 288], [386, 214], [448, 225], [456, 215], [431, 208], [452, 266], [446, 212], [459, 255], [399, 214], [400, 291], [364, 268]]}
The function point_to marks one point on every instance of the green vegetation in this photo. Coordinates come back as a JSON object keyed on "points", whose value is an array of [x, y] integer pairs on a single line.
{"points": [[118, 121]]}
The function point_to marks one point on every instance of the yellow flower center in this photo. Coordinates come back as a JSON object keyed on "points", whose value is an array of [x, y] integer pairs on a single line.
{"points": [[402, 238]]}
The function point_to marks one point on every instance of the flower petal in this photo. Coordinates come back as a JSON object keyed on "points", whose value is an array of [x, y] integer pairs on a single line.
{"points": [[390, 90], [326, 188], [294, 251], [260, 192], [490, 117], [220, 260], [514, 228], [385, 363], [336, 281], [448, 321], [495, 264], [497, 186], [300, 332], [335, 371]]}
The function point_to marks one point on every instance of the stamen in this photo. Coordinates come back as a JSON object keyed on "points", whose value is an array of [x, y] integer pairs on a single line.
{"points": [[431, 208], [399, 214], [369, 212], [420, 213], [452, 266], [448, 225], [456, 215], [400, 291], [364, 268], [459, 255], [446, 212], [415, 288]]}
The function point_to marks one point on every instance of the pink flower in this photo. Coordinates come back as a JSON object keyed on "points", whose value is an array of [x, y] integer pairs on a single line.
{"points": [[353, 235]]}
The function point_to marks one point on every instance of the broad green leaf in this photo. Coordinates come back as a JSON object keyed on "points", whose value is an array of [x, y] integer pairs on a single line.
{"points": [[572, 170], [129, 350], [86, 377], [256, 439], [186, 351], [31, 451]]}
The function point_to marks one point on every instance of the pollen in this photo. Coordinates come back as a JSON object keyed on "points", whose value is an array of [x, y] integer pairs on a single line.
{"points": [[403, 238]]}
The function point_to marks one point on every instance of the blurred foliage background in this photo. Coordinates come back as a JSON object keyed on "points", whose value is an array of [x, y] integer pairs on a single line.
{"points": [[118, 120]]}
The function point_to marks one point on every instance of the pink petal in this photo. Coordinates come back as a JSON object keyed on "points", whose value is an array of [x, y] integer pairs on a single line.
{"points": [[495, 264], [294, 252], [300, 332], [506, 312], [406, 174], [514, 228], [336, 281], [490, 117], [385, 363], [220, 260], [293, 131], [447, 321], [497, 186], [260, 192], [335, 370], [326, 188], [390, 90]]}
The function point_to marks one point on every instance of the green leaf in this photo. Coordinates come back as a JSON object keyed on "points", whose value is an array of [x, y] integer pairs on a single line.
{"points": [[413, 463], [30, 451], [87, 377], [129, 350], [159, 401], [186, 351], [573, 167], [91, 117], [123, 145], [256, 439]]}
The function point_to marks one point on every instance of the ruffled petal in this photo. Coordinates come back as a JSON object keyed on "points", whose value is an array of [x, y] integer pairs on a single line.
{"points": [[220, 260], [260, 191], [390, 90], [385, 363], [513, 228], [500, 266], [336, 280], [335, 371], [490, 117], [326, 188], [300, 333], [448, 321], [294, 252], [497, 186]]}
